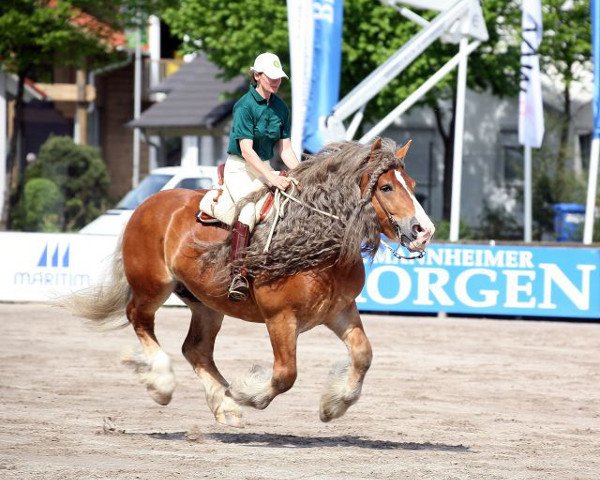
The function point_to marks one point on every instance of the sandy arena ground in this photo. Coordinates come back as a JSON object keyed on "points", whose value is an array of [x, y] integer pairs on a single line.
{"points": [[444, 399]]}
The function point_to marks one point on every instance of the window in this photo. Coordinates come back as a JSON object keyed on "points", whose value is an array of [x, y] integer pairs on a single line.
{"points": [[195, 183], [510, 170], [585, 148], [149, 186]]}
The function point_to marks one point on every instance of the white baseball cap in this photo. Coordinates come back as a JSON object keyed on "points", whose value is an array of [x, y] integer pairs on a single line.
{"points": [[269, 64]]}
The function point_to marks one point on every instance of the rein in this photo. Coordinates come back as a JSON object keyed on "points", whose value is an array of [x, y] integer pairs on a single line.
{"points": [[280, 212], [299, 202]]}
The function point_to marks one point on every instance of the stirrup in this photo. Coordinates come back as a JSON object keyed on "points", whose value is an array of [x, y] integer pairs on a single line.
{"points": [[239, 289]]}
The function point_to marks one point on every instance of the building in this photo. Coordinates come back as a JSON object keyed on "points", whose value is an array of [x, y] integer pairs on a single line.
{"points": [[190, 125]]}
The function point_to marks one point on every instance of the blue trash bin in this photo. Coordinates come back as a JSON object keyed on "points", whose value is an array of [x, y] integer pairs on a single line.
{"points": [[568, 221]]}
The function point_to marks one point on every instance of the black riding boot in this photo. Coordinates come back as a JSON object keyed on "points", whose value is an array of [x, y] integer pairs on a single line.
{"points": [[239, 288]]}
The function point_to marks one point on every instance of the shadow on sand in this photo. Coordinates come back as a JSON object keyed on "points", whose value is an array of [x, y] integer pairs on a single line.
{"points": [[273, 440]]}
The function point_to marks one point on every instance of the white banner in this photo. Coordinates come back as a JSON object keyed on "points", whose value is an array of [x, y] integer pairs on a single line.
{"points": [[37, 267], [40, 266], [301, 32], [531, 113]]}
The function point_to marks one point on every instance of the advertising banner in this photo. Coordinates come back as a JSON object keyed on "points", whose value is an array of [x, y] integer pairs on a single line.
{"points": [[486, 280], [463, 279], [301, 31], [40, 266]]}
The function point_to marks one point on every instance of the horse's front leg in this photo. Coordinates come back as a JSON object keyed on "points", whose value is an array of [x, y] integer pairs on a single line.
{"points": [[260, 387], [345, 380]]}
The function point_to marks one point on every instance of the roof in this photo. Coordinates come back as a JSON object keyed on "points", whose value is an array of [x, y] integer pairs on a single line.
{"points": [[195, 101], [105, 33], [32, 91]]}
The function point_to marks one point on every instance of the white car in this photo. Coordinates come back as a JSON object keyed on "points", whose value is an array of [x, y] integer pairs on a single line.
{"points": [[112, 221]]}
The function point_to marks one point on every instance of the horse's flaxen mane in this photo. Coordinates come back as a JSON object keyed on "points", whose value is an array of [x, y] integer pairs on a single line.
{"points": [[308, 240]]}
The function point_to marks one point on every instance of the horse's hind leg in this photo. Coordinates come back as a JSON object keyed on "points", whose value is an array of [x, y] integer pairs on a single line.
{"points": [[152, 364], [198, 349], [346, 380]]}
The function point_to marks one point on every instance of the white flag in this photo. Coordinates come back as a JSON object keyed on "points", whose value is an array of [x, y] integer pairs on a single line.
{"points": [[531, 110]]}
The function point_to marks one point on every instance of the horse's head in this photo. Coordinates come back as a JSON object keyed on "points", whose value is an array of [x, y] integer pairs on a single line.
{"points": [[400, 215]]}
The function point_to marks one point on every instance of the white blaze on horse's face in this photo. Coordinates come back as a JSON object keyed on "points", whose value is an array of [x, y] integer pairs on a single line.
{"points": [[422, 227]]}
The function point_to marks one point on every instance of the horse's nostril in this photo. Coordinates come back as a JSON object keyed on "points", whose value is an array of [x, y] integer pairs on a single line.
{"points": [[416, 229]]}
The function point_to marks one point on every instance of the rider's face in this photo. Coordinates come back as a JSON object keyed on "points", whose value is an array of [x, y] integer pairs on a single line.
{"points": [[266, 85]]}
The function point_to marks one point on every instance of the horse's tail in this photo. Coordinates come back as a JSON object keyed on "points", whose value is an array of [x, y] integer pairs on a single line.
{"points": [[104, 304]]}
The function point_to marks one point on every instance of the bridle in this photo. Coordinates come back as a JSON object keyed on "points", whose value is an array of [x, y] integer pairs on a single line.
{"points": [[396, 227]]}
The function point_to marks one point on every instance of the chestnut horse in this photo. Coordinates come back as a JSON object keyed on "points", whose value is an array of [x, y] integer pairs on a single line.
{"points": [[311, 275]]}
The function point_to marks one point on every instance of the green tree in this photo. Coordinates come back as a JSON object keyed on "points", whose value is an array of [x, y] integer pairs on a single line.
{"points": [[39, 208], [34, 36], [81, 179], [231, 34], [565, 55]]}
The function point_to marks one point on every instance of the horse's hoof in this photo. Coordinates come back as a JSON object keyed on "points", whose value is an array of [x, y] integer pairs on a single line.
{"points": [[330, 410], [325, 416], [229, 413], [230, 419], [162, 398], [253, 390]]}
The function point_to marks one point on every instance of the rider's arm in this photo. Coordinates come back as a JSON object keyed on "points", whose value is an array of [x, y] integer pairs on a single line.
{"points": [[246, 147], [287, 153]]}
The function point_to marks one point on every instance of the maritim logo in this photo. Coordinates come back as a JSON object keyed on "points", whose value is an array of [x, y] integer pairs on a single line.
{"points": [[53, 261], [52, 268]]}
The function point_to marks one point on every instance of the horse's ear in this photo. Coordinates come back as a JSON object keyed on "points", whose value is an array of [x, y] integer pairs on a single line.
{"points": [[401, 152], [375, 147]]}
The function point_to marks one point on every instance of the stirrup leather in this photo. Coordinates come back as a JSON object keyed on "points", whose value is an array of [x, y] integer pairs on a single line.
{"points": [[239, 289]]}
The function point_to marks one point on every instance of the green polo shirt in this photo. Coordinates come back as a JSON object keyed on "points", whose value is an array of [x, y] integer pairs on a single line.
{"points": [[265, 123]]}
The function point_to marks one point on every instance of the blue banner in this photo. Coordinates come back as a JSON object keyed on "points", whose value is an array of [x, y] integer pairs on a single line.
{"points": [[326, 68], [595, 13], [486, 280]]}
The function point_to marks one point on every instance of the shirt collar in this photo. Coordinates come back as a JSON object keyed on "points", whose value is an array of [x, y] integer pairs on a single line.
{"points": [[257, 96]]}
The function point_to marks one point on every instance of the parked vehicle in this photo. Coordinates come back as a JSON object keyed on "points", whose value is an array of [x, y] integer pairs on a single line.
{"points": [[112, 221]]}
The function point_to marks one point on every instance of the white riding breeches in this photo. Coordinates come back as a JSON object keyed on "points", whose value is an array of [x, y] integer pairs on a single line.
{"points": [[241, 179]]}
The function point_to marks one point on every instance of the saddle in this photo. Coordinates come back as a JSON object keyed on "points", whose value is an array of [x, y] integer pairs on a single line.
{"points": [[217, 205]]}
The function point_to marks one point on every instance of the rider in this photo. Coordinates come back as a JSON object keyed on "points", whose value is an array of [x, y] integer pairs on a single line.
{"points": [[261, 121]]}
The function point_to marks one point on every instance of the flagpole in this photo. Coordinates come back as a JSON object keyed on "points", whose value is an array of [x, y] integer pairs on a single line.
{"points": [[531, 107], [527, 200], [590, 207], [459, 126]]}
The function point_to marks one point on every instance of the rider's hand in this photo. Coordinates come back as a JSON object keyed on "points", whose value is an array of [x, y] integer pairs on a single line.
{"points": [[282, 183]]}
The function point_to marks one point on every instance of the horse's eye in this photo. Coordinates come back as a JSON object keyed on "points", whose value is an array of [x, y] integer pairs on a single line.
{"points": [[386, 188]]}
